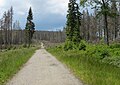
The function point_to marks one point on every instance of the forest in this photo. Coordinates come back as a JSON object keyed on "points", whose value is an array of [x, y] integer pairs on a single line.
{"points": [[11, 34], [92, 46], [92, 26], [89, 43]]}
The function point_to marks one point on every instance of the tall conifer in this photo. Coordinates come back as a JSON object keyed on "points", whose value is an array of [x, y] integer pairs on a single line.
{"points": [[30, 27], [73, 25]]}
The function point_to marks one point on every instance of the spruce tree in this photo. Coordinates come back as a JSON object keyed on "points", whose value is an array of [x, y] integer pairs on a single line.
{"points": [[30, 27], [73, 25]]}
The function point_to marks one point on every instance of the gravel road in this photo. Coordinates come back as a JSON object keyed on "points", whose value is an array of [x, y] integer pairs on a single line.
{"points": [[44, 69]]}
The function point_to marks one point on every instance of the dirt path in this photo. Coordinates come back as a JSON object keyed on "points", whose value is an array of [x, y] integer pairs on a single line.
{"points": [[44, 69]]}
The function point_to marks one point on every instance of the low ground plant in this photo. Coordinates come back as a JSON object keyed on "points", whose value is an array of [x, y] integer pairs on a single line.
{"points": [[12, 60], [96, 65]]}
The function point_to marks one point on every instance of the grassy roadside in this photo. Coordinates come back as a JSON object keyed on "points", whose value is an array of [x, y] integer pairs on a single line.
{"points": [[97, 65], [12, 60]]}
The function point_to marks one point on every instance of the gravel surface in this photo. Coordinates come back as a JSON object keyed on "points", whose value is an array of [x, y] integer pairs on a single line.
{"points": [[44, 69]]}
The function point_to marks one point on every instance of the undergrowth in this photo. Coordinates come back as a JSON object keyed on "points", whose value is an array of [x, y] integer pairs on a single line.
{"points": [[12, 60], [94, 64]]}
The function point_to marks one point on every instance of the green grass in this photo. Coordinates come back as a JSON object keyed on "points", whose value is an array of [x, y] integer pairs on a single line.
{"points": [[12, 60], [97, 65]]}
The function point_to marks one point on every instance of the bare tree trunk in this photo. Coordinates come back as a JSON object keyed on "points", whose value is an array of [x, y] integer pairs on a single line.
{"points": [[106, 34]]}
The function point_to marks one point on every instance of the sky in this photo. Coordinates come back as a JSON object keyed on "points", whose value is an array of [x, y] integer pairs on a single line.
{"points": [[48, 14]]}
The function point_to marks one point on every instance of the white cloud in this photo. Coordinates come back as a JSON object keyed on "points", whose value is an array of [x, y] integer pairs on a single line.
{"points": [[2, 3], [57, 6], [21, 13], [46, 6], [41, 10]]}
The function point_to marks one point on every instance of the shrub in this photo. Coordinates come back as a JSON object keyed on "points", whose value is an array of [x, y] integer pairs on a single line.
{"points": [[68, 45], [82, 46], [96, 65], [104, 54], [115, 46], [24, 45], [114, 61], [14, 47]]}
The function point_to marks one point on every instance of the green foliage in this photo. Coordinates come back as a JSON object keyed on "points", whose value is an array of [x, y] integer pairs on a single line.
{"points": [[97, 65], [115, 62], [82, 2], [24, 45], [115, 46], [103, 8], [104, 54], [73, 25], [30, 17], [82, 46], [30, 27], [12, 60], [68, 45]]}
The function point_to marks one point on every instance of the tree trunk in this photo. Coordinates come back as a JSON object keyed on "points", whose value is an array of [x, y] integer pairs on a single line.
{"points": [[106, 29], [106, 35]]}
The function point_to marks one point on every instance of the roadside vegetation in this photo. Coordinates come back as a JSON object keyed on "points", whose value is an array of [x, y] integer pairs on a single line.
{"points": [[93, 64], [12, 60]]}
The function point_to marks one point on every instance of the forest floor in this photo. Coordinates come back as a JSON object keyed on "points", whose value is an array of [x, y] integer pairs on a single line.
{"points": [[44, 69]]}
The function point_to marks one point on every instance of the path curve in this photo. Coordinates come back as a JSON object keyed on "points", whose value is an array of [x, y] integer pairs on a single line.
{"points": [[44, 69]]}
